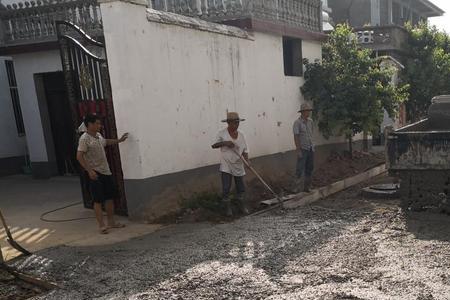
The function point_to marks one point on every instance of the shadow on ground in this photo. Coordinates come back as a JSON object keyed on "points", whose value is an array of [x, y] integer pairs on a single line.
{"points": [[429, 226]]}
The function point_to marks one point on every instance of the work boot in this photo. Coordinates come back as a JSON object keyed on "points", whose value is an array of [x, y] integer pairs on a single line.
{"points": [[228, 210], [297, 185], [307, 186], [243, 204]]}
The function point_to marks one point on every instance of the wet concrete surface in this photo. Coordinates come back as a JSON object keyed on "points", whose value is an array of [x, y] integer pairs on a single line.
{"points": [[344, 247]]}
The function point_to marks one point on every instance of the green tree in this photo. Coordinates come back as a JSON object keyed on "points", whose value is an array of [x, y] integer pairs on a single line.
{"points": [[427, 68], [349, 89]]}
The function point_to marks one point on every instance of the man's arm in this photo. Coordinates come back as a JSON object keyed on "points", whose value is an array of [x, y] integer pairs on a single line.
{"points": [[85, 165], [228, 144], [110, 142], [245, 155], [298, 145]]}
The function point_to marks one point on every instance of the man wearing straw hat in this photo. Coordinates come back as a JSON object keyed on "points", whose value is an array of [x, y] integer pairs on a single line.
{"points": [[233, 147], [303, 137]]}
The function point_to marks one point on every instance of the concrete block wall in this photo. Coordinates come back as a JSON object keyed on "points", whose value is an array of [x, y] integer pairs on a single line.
{"points": [[173, 80]]}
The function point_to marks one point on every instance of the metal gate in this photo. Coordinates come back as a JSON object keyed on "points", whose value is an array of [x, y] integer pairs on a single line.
{"points": [[89, 91]]}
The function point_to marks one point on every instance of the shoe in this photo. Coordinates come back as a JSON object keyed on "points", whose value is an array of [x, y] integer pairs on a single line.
{"points": [[116, 225], [297, 185], [243, 205], [228, 210], [307, 185]]}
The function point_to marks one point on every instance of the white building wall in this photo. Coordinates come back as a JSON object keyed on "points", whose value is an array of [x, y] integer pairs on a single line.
{"points": [[172, 85], [11, 145], [26, 65]]}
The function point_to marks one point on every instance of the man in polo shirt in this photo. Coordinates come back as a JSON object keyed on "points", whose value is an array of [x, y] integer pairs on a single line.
{"points": [[303, 137], [92, 157]]}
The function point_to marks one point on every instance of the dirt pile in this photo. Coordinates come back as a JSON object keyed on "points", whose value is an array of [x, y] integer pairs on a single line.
{"points": [[208, 207]]}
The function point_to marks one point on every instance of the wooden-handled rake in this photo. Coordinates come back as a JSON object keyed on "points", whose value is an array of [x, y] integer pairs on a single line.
{"points": [[10, 238], [268, 187]]}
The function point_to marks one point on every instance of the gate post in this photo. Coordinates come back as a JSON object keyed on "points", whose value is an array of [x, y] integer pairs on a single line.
{"points": [[89, 90]]}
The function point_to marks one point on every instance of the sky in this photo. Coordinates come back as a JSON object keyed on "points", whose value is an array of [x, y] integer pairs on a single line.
{"points": [[442, 23]]}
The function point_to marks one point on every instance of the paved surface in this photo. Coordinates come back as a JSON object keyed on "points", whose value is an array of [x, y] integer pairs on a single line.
{"points": [[344, 247], [23, 200]]}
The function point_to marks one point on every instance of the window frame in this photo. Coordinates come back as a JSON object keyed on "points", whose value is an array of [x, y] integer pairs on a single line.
{"points": [[289, 44], [15, 99]]}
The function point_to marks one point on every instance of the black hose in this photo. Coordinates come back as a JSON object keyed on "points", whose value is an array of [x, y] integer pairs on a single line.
{"points": [[62, 220]]}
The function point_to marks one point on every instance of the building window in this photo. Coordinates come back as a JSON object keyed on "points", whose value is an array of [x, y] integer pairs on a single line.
{"points": [[292, 56], [15, 97]]}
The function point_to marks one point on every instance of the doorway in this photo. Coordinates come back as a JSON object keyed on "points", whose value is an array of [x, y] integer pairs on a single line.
{"points": [[57, 121], [61, 122]]}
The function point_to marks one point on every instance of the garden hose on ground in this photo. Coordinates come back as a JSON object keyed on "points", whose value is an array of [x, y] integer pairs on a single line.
{"points": [[63, 220]]}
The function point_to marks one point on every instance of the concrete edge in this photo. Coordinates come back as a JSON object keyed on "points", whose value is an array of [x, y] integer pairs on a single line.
{"points": [[336, 187], [303, 199], [194, 23]]}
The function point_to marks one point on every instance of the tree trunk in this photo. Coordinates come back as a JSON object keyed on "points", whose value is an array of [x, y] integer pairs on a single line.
{"points": [[350, 145], [365, 142]]}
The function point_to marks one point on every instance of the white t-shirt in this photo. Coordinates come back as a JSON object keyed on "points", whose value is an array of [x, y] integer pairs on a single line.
{"points": [[94, 152], [230, 162]]}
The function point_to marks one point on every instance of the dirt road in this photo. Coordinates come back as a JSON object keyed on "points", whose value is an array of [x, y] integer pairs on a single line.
{"points": [[345, 247]]}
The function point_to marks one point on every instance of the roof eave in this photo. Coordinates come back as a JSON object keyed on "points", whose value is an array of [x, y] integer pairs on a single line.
{"points": [[436, 11]]}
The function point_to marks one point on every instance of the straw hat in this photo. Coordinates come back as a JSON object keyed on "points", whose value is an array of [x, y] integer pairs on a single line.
{"points": [[232, 116], [305, 107]]}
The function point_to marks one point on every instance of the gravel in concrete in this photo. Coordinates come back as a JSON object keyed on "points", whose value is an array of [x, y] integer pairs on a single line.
{"points": [[344, 247]]}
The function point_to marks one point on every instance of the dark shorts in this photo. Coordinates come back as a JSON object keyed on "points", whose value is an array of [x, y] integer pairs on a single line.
{"points": [[103, 189]]}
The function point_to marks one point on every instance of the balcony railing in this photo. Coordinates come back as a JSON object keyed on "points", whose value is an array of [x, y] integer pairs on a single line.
{"points": [[34, 21], [304, 14], [382, 38]]}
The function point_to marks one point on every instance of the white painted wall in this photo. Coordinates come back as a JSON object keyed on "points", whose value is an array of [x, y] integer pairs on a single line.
{"points": [[172, 86], [11, 144], [26, 66]]}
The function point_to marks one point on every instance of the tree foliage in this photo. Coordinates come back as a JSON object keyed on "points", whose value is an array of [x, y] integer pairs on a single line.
{"points": [[348, 88], [427, 67]]}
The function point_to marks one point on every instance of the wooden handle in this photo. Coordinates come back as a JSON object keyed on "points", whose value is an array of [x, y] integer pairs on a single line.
{"points": [[256, 174], [8, 233]]}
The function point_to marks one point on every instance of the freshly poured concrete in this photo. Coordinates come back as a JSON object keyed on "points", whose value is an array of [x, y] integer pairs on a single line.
{"points": [[343, 247]]}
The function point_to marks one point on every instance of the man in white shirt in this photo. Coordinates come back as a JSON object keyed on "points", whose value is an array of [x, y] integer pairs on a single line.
{"points": [[92, 157], [233, 146]]}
